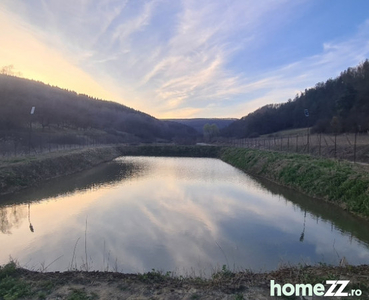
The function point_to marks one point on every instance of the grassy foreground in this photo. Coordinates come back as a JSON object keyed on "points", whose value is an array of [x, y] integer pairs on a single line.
{"points": [[18, 283]]}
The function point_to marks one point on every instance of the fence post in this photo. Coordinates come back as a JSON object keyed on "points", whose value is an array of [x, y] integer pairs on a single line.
{"points": [[355, 147], [320, 144], [308, 141], [335, 145], [297, 143], [15, 147], [281, 143], [30, 137]]}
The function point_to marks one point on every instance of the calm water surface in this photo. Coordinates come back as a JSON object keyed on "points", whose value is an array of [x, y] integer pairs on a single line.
{"points": [[188, 215]]}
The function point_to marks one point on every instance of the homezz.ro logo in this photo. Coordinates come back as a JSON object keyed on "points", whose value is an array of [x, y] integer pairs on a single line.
{"points": [[331, 288]]}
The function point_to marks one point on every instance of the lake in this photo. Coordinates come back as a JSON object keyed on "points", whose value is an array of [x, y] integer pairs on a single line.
{"points": [[190, 216]]}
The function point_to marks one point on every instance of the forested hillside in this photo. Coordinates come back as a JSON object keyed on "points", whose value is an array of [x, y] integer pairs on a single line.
{"points": [[70, 116], [337, 105]]}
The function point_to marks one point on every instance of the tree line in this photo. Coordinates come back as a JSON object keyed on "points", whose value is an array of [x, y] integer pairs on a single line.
{"points": [[59, 109], [337, 105]]}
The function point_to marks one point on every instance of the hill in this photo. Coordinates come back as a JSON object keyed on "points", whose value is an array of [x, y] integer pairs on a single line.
{"points": [[198, 123], [337, 105], [63, 116]]}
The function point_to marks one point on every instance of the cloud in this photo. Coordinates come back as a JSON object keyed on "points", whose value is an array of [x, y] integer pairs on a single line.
{"points": [[193, 67], [39, 62], [188, 58], [279, 85], [135, 24]]}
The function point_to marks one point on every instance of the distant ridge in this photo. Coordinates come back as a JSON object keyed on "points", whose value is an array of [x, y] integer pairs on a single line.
{"points": [[198, 123]]}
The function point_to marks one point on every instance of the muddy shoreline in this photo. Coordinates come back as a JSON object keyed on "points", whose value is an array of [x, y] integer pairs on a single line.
{"points": [[155, 285]]}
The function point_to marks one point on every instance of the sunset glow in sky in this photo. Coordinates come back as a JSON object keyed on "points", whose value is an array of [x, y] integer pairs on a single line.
{"points": [[181, 59]]}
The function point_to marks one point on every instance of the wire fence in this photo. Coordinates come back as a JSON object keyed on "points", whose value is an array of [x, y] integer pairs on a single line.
{"points": [[352, 146], [39, 144]]}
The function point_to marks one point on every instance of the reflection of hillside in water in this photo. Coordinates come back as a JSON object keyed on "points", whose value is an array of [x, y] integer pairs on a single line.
{"points": [[321, 210], [12, 216], [104, 175], [14, 211], [13, 208]]}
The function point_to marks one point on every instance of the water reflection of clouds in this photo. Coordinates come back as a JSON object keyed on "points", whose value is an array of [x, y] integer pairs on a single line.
{"points": [[170, 222], [185, 168], [166, 217], [212, 214]]}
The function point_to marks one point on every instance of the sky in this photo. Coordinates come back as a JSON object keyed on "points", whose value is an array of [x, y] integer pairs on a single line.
{"points": [[184, 59]]}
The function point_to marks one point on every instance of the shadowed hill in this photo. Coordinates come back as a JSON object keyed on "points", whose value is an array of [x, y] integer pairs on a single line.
{"points": [[68, 114]]}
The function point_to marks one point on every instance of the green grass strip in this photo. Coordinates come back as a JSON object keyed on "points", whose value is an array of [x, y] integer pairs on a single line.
{"points": [[340, 182]]}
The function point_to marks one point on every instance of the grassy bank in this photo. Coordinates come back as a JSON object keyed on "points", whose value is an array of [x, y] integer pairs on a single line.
{"points": [[341, 183], [338, 182], [18, 283], [22, 172], [172, 150]]}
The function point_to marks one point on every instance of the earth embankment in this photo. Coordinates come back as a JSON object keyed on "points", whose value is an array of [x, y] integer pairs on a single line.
{"points": [[341, 183], [22, 172]]}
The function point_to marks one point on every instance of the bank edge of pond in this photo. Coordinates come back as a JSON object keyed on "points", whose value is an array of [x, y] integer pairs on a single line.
{"points": [[337, 182], [19, 173], [18, 283], [172, 151], [340, 183]]}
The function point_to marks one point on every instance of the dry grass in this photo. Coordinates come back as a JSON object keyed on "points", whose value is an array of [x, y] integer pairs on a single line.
{"points": [[155, 285]]}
